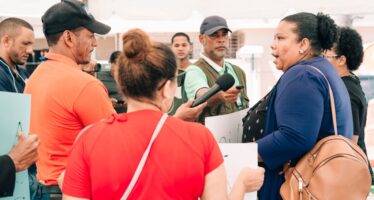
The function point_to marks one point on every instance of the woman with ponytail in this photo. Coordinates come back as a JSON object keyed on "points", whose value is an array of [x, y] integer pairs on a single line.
{"points": [[299, 112]]}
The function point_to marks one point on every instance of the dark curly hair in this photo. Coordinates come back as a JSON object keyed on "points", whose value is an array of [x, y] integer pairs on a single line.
{"points": [[320, 29], [350, 46], [113, 57]]}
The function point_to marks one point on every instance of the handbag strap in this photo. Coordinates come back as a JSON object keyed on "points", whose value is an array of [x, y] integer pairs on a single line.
{"points": [[144, 158], [332, 101]]}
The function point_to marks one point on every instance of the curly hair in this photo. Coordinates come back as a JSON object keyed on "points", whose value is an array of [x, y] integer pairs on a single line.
{"points": [[350, 46]]}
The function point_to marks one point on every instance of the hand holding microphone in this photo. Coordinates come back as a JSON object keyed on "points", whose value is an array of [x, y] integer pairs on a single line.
{"points": [[230, 95], [223, 83]]}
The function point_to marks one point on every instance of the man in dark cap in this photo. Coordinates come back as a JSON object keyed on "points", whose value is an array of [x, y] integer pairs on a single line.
{"points": [[64, 98], [214, 37]]}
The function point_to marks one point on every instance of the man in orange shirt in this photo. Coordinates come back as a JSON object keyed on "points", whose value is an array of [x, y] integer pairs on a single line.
{"points": [[64, 99]]}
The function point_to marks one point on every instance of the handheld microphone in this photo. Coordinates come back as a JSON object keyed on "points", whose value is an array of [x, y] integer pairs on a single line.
{"points": [[223, 83]]}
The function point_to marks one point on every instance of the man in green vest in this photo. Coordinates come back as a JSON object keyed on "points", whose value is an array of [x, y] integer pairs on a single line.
{"points": [[200, 76]]}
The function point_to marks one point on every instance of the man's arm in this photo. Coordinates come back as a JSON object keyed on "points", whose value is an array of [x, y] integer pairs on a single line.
{"points": [[7, 176], [5, 83], [93, 104], [186, 113], [24, 153], [19, 158], [195, 80], [229, 96]]}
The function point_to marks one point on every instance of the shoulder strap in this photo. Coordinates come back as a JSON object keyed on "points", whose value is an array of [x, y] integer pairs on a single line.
{"points": [[144, 158], [332, 101]]}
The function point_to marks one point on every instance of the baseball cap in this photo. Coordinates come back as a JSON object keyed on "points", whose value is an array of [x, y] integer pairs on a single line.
{"points": [[212, 24], [68, 15]]}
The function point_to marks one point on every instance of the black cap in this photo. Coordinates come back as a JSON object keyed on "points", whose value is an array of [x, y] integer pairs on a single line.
{"points": [[212, 24], [68, 15]]}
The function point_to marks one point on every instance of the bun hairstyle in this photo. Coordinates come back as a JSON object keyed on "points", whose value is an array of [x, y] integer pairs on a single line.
{"points": [[143, 65], [320, 29]]}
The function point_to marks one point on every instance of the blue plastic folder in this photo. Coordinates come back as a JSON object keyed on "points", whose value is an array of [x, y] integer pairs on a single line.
{"points": [[14, 116]]}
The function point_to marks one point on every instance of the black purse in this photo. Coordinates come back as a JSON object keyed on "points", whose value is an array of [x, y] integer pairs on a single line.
{"points": [[255, 120]]}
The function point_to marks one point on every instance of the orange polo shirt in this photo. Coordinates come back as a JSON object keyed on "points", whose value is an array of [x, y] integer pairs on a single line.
{"points": [[63, 101]]}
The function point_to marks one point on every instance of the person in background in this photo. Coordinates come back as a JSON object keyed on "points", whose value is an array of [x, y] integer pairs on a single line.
{"points": [[20, 157], [16, 40], [184, 161], [299, 110], [64, 98], [107, 77], [92, 68], [346, 56], [181, 47], [200, 76]]}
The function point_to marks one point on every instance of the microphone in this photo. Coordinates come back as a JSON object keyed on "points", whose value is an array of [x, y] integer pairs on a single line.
{"points": [[224, 82]]}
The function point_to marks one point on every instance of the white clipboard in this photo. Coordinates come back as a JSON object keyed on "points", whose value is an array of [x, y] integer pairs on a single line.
{"points": [[15, 115], [238, 156]]}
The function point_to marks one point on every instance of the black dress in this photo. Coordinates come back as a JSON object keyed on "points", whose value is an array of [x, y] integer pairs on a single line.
{"points": [[359, 110], [255, 120]]}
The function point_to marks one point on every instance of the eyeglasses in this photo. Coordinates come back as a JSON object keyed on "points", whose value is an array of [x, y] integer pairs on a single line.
{"points": [[330, 56], [180, 79]]}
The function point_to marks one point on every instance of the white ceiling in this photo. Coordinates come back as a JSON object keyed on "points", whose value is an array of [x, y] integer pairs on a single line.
{"points": [[186, 15], [233, 9]]}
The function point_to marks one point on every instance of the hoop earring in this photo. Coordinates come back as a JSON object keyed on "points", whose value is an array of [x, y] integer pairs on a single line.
{"points": [[301, 51]]}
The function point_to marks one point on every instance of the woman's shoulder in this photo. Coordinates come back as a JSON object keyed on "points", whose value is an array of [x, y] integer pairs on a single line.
{"points": [[179, 123], [303, 73], [98, 128], [303, 78], [189, 129]]}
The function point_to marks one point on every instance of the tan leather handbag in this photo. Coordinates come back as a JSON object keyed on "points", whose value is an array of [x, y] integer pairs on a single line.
{"points": [[334, 169]]}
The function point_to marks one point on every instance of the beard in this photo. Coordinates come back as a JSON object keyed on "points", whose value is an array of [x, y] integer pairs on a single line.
{"points": [[16, 59], [217, 55]]}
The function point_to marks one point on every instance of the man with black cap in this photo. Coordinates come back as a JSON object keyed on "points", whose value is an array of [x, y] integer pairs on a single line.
{"points": [[214, 37], [64, 98]]}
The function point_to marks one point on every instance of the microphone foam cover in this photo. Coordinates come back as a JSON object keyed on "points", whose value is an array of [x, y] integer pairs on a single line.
{"points": [[225, 81]]}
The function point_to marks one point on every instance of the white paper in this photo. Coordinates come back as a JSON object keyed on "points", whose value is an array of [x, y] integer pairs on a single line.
{"points": [[14, 109], [238, 156], [227, 128]]}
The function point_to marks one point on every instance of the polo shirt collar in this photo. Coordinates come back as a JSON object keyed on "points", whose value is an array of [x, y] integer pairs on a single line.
{"points": [[212, 63], [63, 59]]}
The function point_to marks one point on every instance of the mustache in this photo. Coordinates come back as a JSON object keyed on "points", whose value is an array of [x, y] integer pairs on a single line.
{"points": [[222, 47]]}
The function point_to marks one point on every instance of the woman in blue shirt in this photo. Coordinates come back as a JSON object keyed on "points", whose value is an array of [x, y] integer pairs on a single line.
{"points": [[299, 112]]}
